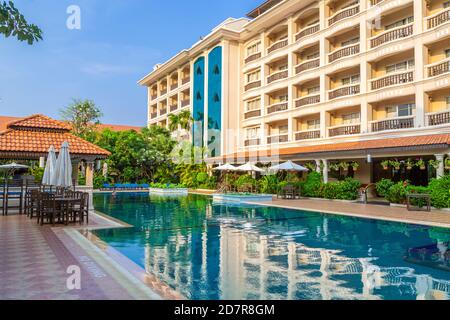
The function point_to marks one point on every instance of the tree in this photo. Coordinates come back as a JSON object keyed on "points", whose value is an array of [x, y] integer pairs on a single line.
{"points": [[174, 121], [84, 116], [13, 23], [185, 120]]}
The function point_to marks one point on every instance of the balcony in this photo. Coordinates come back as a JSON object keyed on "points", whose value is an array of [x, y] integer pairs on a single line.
{"points": [[310, 64], [153, 115], [252, 85], [392, 124], [185, 80], [173, 107], [344, 13], [375, 2], [311, 99], [252, 57], [438, 68], [185, 103], [437, 118], [391, 80], [438, 19], [343, 52], [277, 76], [163, 111], [252, 142], [277, 107], [391, 35], [278, 138], [173, 86], [307, 134], [344, 130], [307, 31], [343, 91], [252, 114], [154, 96], [278, 45], [163, 91]]}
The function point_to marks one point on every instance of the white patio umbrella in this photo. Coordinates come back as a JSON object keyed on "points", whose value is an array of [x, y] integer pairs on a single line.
{"points": [[249, 167], [226, 167], [11, 167], [288, 166], [63, 168], [50, 165]]}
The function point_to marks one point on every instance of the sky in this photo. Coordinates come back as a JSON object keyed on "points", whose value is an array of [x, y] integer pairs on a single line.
{"points": [[119, 42]]}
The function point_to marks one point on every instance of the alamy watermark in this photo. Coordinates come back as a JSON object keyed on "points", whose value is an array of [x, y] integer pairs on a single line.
{"points": [[73, 21]]}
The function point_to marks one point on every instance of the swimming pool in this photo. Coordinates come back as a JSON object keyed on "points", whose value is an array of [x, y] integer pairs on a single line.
{"points": [[221, 251]]}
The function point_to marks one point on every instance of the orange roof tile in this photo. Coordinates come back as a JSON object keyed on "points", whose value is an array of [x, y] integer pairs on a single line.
{"points": [[39, 121], [4, 120]]}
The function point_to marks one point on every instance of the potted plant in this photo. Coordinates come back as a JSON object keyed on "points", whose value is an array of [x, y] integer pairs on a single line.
{"points": [[434, 163], [355, 166], [334, 166], [344, 165], [396, 164], [421, 164], [409, 164], [447, 163], [385, 164], [311, 166]]}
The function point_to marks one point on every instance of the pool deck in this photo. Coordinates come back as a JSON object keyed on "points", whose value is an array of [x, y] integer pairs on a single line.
{"points": [[436, 218], [34, 261]]}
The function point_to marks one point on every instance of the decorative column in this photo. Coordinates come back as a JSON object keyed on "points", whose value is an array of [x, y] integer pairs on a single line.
{"points": [[317, 165], [440, 169], [90, 174], [325, 170], [41, 162]]}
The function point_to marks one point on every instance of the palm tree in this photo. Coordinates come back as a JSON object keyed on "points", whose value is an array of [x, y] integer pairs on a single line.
{"points": [[185, 120], [174, 121]]}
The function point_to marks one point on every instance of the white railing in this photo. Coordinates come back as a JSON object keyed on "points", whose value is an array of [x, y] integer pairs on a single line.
{"points": [[438, 118], [343, 13], [392, 123], [437, 68], [392, 79], [391, 35], [307, 134], [438, 18]]}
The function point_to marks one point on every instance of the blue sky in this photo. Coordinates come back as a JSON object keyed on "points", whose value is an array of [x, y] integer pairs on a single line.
{"points": [[119, 42]]}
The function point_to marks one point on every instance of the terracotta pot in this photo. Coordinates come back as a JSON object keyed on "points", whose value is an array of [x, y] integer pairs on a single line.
{"points": [[408, 168], [385, 167], [422, 168]]}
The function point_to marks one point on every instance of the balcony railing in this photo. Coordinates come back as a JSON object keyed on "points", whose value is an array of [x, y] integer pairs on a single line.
{"points": [[310, 64], [311, 99], [391, 35], [344, 13], [392, 124], [163, 111], [153, 115], [252, 142], [344, 130], [277, 76], [173, 86], [164, 91], [252, 114], [307, 134], [278, 45], [278, 138], [277, 107], [343, 91], [252, 85], [173, 107], [185, 80], [437, 118], [375, 2], [253, 57], [343, 52], [307, 31], [185, 103], [438, 68], [438, 19], [392, 79]]}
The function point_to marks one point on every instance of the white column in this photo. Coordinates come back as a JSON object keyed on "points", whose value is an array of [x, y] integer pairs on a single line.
{"points": [[440, 170], [90, 174], [317, 165], [364, 116], [323, 124], [420, 106], [325, 170]]}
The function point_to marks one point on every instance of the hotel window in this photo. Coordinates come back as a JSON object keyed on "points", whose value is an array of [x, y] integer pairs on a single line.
{"points": [[312, 55], [283, 129], [401, 66], [252, 133], [401, 110], [254, 104], [283, 67], [446, 4], [447, 52], [313, 124], [254, 48], [399, 23], [447, 100], [350, 80], [349, 42], [350, 4], [313, 90], [253, 76], [350, 118], [313, 23], [283, 98]]}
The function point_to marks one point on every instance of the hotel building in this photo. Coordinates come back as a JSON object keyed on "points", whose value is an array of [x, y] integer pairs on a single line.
{"points": [[317, 81]]}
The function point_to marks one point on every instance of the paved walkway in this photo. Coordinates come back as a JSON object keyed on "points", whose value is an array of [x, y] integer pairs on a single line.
{"points": [[438, 218], [34, 261]]}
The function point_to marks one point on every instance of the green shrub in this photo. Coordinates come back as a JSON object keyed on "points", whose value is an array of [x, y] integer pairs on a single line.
{"points": [[347, 189], [397, 193], [268, 184], [312, 186], [37, 173], [383, 187], [440, 192], [244, 179], [202, 177]]}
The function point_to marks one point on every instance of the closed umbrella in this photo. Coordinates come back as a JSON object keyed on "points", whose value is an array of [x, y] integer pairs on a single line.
{"points": [[50, 165], [63, 168], [288, 166]]}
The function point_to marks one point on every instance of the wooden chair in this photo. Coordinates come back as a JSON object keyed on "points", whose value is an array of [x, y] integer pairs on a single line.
{"points": [[47, 208], [80, 208], [14, 192]]}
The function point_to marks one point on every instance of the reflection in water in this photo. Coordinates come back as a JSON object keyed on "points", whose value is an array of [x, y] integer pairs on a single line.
{"points": [[214, 251]]}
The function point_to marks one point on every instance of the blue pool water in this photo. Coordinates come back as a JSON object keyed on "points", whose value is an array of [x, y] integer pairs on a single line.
{"points": [[215, 251]]}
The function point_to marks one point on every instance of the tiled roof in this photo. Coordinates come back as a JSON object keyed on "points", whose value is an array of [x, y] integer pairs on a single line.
{"points": [[39, 121], [39, 142], [5, 120], [412, 141]]}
